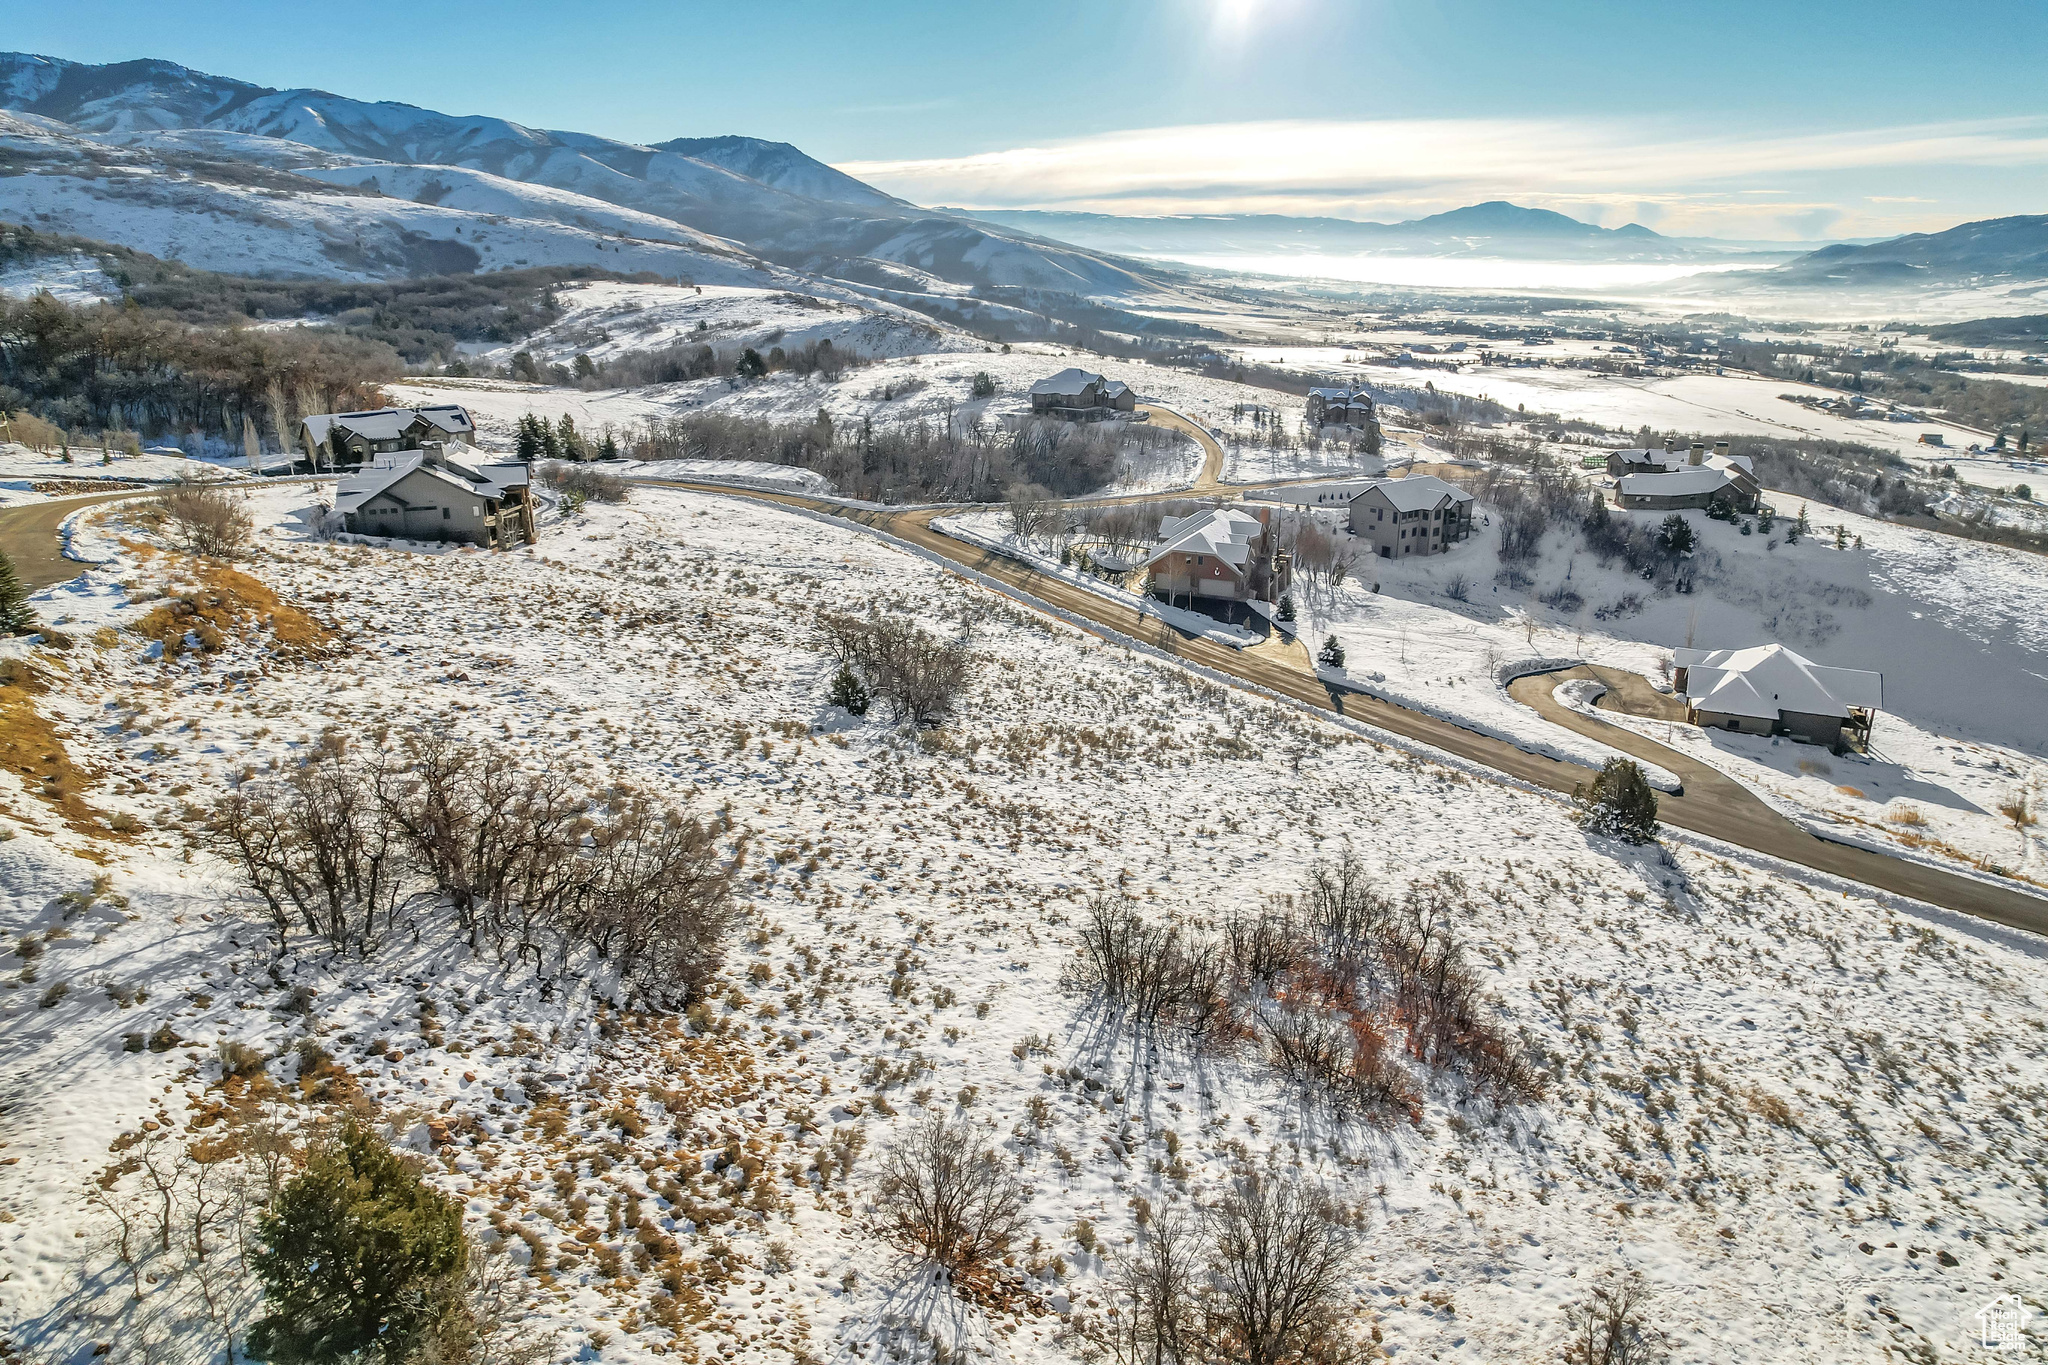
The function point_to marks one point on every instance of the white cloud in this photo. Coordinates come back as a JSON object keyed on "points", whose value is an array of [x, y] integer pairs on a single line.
{"points": [[1409, 166]]}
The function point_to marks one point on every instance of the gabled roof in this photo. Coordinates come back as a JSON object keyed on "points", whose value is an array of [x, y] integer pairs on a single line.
{"points": [[1068, 383], [1224, 532], [1768, 679], [1662, 459], [1681, 482], [388, 424], [1330, 493], [486, 481], [1416, 493]]}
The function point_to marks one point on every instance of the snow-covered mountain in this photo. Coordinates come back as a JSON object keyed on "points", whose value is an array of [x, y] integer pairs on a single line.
{"points": [[108, 151]]}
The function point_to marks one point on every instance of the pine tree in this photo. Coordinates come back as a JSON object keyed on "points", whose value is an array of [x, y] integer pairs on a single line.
{"points": [[17, 617], [847, 692], [1620, 805], [1798, 529], [360, 1259], [751, 365], [610, 449], [1332, 653], [1286, 611], [529, 445]]}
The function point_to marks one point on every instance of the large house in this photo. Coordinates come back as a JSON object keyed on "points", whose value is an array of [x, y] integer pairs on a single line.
{"points": [[1420, 515], [1700, 481], [341, 440], [1075, 395], [1340, 407], [1769, 690], [428, 495], [1225, 552], [1328, 495]]}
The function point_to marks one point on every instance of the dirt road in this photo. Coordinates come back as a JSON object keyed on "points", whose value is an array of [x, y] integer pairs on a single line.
{"points": [[29, 536]]}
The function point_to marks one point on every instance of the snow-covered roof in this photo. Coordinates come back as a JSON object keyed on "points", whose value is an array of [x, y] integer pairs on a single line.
{"points": [[1114, 388], [1765, 680], [1662, 459], [1068, 383], [1733, 463], [1222, 531], [1330, 493], [1681, 482], [1417, 493], [388, 424], [486, 481]]}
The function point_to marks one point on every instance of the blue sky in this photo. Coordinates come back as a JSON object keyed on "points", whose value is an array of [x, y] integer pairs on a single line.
{"points": [[1779, 120]]}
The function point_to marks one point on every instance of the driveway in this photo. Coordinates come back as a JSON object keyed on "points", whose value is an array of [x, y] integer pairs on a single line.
{"points": [[1715, 804], [29, 537]]}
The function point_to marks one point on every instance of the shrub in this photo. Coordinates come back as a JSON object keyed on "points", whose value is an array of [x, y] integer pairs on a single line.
{"points": [[359, 1259], [579, 484], [920, 676], [1286, 608], [947, 1197], [847, 693], [1612, 1326], [1620, 803], [1332, 653], [984, 384], [1675, 534], [207, 520], [239, 1059]]}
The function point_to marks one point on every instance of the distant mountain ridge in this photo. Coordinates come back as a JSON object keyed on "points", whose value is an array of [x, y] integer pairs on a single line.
{"points": [[2015, 246], [1495, 228], [346, 188]]}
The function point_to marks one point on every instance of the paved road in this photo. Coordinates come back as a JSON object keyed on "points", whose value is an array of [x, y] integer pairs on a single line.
{"points": [[29, 537], [1716, 804], [1211, 477]]}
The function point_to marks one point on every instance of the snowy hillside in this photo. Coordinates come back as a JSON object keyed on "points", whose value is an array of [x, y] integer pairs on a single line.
{"points": [[1789, 1109], [767, 195]]}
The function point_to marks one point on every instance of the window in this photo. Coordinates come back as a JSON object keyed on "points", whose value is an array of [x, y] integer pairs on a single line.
{"points": [[447, 513]]}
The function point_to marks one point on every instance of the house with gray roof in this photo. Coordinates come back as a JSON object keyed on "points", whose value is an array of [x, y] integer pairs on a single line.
{"points": [[342, 440], [1225, 553], [427, 495], [1419, 515], [1769, 690], [1077, 395]]}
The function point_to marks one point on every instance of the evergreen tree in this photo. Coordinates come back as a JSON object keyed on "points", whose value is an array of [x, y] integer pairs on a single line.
{"points": [[1286, 611], [528, 441], [17, 617], [1332, 653], [847, 692], [1799, 529], [610, 449], [1596, 513], [984, 384], [360, 1260], [583, 369], [1620, 805], [1765, 518], [751, 365], [568, 438], [1675, 535]]}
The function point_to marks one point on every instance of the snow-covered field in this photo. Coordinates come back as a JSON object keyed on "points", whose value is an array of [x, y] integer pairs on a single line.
{"points": [[23, 469], [1935, 798], [1808, 1119], [605, 320]]}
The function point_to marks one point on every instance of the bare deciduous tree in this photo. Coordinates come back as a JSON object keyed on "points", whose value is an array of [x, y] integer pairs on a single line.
{"points": [[946, 1196], [1282, 1251], [1612, 1326], [207, 520], [920, 676]]}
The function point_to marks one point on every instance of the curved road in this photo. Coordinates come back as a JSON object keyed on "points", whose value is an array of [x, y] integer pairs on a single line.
{"points": [[1712, 803], [1210, 480], [29, 537]]}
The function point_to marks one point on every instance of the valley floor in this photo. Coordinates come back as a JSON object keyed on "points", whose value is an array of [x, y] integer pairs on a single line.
{"points": [[1808, 1118]]}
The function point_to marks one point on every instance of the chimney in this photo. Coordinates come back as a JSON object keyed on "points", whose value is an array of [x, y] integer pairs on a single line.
{"points": [[1699, 453], [1721, 449]]}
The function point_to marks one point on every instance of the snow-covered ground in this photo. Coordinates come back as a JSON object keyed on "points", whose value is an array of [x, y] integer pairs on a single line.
{"points": [[1809, 1119], [605, 320], [22, 470], [1935, 798]]}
